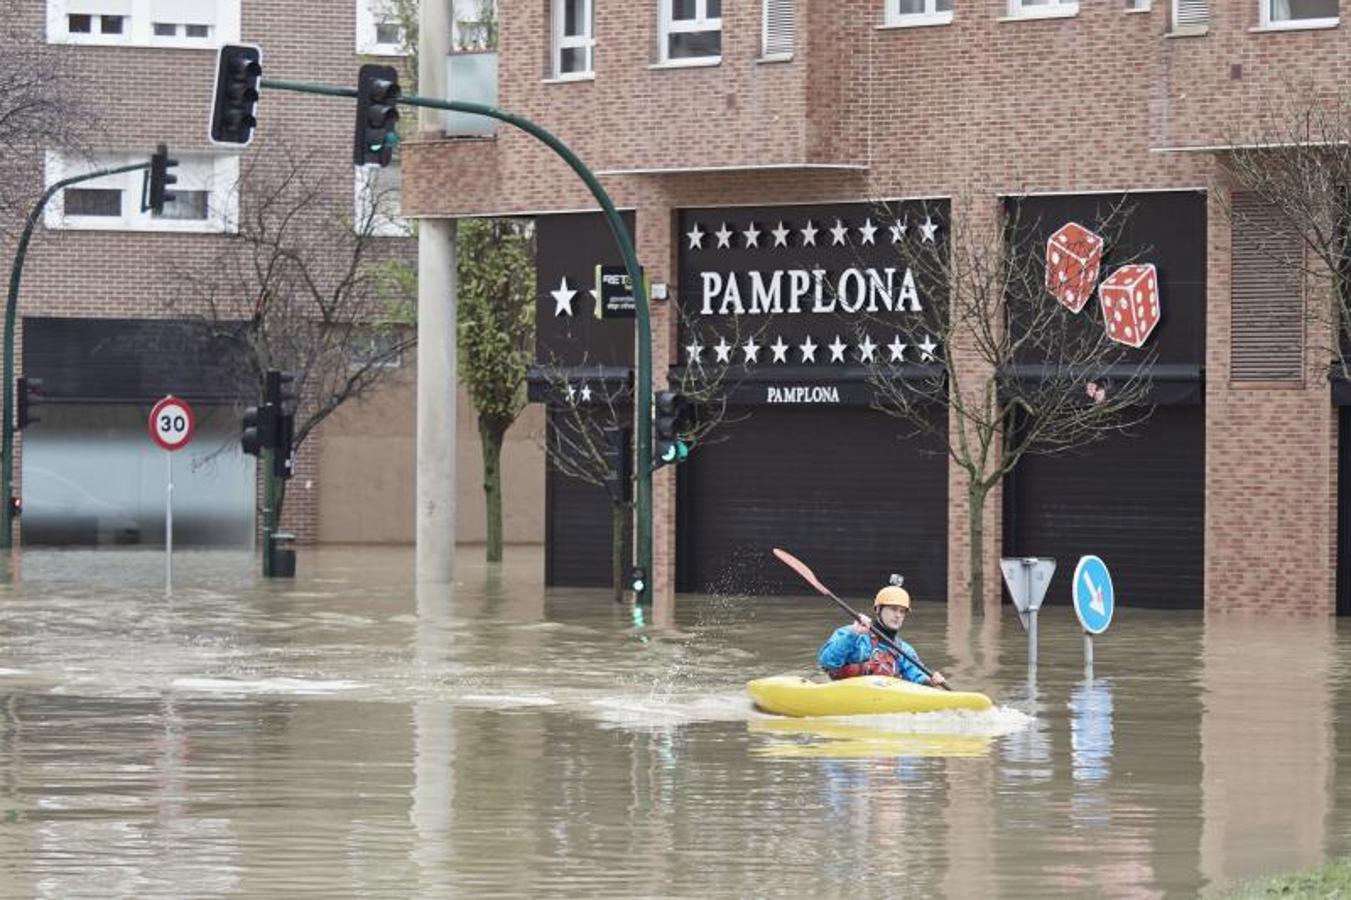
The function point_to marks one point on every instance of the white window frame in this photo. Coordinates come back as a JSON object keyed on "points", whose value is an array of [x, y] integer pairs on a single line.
{"points": [[1056, 9], [585, 42], [1273, 24], [216, 173], [387, 223], [701, 22], [894, 18], [1138, 6], [370, 15], [139, 29]]}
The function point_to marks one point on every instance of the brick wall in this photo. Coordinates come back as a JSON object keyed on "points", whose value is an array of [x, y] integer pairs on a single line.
{"points": [[137, 275]]}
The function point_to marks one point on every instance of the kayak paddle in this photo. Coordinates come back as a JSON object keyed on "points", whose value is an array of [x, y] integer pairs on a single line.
{"points": [[800, 567]]}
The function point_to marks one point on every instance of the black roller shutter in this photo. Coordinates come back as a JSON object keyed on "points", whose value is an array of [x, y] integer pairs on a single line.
{"points": [[577, 533], [1137, 501], [837, 486]]}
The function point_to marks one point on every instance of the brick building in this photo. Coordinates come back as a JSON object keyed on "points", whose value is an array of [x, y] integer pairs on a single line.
{"points": [[104, 300], [713, 124]]}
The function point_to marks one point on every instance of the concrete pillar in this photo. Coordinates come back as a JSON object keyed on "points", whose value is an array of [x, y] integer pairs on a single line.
{"points": [[433, 47], [437, 291]]}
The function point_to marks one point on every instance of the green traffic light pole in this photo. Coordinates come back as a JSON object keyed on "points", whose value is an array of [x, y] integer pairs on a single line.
{"points": [[11, 312], [643, 399]]}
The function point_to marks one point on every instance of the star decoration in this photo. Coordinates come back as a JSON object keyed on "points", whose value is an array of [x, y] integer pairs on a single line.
{"points": [[780, 350], [752, 350], [838, 232], [867, 230], [724, 350], [927, 348], [696, 237], [563, 298], [897, 349], [724, 236], [780, 235], [837, 349], [898, 231], [865, 349], [586, 393], [571, 393], [928, 229], [752, 236], [692, 351], [808, 350], [809, 235]]}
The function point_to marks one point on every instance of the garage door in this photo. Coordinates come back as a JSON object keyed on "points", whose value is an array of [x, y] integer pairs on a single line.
{"points": [[1137, 501], [836, 486]]}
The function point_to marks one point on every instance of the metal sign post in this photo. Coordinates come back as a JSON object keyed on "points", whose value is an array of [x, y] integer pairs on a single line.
{"points": [[1094, 602], [1027, 578], [171, 426]]}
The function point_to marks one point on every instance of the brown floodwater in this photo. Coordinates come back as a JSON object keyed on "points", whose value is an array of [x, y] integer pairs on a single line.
{"points": [[348, 734]]}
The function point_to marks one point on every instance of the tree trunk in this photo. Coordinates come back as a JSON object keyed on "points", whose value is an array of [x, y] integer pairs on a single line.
{"points": [[491, 437], [617, 549], [975, 510]]}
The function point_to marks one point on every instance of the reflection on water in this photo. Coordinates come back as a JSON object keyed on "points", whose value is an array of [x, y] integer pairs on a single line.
{"points": [[351, 734]]}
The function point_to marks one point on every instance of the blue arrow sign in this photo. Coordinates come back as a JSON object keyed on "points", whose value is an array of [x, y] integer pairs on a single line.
{"points": [[1094, 598]]}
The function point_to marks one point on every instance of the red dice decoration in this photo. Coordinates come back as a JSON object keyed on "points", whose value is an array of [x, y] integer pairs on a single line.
{"points": [[1130, 303], [1073, 258]]}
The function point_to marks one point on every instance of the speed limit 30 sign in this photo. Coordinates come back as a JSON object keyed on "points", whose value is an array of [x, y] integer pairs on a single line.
{"points": [[171, 423]]}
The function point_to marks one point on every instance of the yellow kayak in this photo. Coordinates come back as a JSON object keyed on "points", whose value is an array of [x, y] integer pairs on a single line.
{"points": [[838, 738], [870, 695]]}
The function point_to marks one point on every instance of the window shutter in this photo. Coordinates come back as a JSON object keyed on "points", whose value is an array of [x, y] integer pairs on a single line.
{"points": [[778, 28], [1191, 13], [1266, 303]]}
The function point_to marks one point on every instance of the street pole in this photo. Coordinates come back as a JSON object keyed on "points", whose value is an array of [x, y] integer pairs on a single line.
{"points": [[643, 397], [169, 527], [11, 311], [269, 508]]}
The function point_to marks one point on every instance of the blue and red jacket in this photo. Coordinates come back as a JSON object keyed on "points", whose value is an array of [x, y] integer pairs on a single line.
{"points": [[848, 654]]}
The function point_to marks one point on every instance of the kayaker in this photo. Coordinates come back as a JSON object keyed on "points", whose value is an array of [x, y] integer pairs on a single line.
{"points": [[855, 650]]}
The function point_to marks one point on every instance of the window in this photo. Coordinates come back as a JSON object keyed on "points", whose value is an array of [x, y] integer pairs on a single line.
{"points": [[379, 31], [919, 12], [179, 23], [691, 31], [572, 38], [777, 27], [172, 30], [1298, 13], [1191, 15], [378, 347], [378, 202], [204, 195], [1137, 5], [1043, 9]]}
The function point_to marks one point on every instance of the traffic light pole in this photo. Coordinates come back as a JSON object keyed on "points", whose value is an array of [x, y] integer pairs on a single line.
{"points": [[11, 313], [269, 509], [643, 394]]}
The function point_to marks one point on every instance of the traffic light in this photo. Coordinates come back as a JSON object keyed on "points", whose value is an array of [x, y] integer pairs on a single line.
{"points": [[23, 388], [617, 449], [377, 115], [277, 393], [160, 179], [260, 429], [672, 417], [239, 67]]}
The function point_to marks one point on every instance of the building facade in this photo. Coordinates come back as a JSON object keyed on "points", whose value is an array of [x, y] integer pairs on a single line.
{"points": [[750, 142], [110, 297]]}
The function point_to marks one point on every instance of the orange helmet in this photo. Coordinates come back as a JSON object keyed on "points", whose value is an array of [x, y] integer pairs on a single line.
{"points": [[892, 595]]}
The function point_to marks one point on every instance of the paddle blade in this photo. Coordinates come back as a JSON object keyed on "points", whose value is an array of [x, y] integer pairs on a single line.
{"points": [[800, 567]]}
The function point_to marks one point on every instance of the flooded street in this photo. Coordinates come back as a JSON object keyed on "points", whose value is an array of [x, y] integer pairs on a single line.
{"points": [[349, 735]]}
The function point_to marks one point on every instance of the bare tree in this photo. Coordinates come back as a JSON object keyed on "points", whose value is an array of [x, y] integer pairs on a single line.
{"points": [[591, 422], [1295, 160], [304, 289], [42, 108], [1017, 372]]}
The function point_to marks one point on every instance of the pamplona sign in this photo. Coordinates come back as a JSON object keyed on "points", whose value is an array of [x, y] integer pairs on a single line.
{"points": [[807, 285]]}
